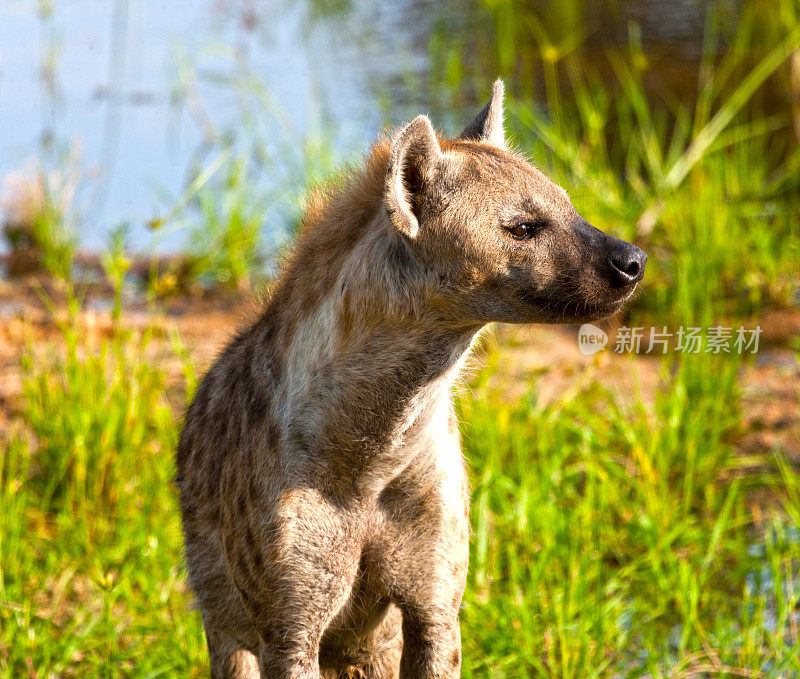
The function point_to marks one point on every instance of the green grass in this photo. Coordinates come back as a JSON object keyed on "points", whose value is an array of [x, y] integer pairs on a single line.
{"points": [[224, 245], [40, 215], [90, 582], [606, 541], [612, 543]]}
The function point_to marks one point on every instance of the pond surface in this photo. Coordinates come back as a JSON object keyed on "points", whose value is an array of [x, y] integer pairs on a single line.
{"points": [[123, 89]]}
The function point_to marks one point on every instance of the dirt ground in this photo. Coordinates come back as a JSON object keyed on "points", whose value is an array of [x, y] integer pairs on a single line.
{"points": [[548, 355]]}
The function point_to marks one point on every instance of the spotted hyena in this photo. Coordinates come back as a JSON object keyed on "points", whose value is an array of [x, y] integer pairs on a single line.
{"points": [[323, 491]]}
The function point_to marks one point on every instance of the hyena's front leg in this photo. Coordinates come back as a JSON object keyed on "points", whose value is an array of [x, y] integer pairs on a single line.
{"points": [[433, 577], [294, 574], [292, 606], [431, 645], [228, 659], [430, 605]]}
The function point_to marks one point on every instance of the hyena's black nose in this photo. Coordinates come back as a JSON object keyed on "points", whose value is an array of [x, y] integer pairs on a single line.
{"points": [[627, 264]]}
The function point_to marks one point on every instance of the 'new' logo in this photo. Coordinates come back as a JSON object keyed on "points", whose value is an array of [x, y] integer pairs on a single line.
{"points": [[591, 339]]}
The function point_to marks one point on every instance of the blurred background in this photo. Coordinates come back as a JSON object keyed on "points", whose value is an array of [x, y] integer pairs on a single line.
{"points": [[635, 513]]}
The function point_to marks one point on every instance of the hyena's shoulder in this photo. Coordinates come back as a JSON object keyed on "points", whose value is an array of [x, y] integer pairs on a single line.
{"points": [[232, 400]]}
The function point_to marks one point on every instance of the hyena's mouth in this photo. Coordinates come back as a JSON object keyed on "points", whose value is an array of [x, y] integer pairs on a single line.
{"points": [[586, 312], [614, 306], [575, 307], [626, 296], [611, 307]]}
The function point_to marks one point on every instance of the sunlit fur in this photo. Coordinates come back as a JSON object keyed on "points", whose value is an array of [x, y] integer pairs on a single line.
{"points": [[323, 491]]}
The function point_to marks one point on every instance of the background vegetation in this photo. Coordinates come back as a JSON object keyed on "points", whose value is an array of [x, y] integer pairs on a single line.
{"points": [[611, 537]]}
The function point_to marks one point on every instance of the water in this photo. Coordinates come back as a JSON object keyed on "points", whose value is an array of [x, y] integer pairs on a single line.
{"points": [[118, 69], [350, 68]]}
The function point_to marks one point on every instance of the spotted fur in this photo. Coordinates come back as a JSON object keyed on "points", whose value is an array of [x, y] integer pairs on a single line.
{"points": [[322, 486]]}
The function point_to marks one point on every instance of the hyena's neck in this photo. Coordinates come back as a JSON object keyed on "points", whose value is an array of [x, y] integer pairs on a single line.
{"points": [[369, 366]]}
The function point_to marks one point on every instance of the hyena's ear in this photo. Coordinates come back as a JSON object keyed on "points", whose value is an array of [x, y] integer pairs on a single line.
{"points": [[415, 154], [487, 126]]}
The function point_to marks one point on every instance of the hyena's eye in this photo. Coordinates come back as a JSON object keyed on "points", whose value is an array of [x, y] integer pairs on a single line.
{"points": [[525, 230]]}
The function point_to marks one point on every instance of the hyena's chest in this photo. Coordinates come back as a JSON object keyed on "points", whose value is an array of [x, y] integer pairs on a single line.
{"points": [[421, 518], [419, 524]]}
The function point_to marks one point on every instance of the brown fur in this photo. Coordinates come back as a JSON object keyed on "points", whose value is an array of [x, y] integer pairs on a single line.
{"points": [[324, 497]]}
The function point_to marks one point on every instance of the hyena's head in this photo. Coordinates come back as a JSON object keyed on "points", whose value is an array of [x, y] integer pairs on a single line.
{"points": [[504, 242]]}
